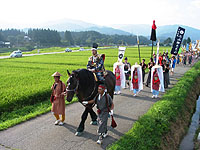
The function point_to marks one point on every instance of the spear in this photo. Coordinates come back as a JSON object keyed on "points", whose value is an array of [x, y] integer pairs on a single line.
{"points": [[157, 52], [138, 48]]}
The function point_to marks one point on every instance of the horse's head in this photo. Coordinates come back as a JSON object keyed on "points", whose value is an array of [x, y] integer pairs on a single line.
{"points": [[72, 85]]}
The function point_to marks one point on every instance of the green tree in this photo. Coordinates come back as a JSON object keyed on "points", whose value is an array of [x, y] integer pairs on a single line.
{"points": [[1, 37], [68, 37], [168, 41]]}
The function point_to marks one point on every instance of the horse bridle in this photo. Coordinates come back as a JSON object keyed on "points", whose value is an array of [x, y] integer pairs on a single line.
{"points": [[75, 89]]}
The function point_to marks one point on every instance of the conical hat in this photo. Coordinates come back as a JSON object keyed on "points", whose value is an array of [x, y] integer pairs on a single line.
{"points": [[56, 74]]}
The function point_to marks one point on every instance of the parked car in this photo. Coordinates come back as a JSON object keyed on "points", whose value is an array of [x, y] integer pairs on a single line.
{"points": [[81, 49], [68, 50], [17, 53]]}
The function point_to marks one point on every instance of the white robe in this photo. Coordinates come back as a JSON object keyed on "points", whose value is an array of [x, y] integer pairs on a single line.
{"points": [[139, 72], [122, 75], [160, 75]]}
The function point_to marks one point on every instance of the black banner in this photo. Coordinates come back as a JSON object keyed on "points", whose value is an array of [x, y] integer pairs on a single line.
{"points": [[178, 39]]}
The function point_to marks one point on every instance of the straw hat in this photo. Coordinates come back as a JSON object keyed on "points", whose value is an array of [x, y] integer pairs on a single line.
{"points": [[56, 74]]}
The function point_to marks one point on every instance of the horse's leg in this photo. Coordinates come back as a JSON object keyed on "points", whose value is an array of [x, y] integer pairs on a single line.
{"points": [[83, 119], [93, 116]]}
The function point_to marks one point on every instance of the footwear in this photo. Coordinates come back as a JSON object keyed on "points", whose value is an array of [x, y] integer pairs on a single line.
{"points": [[105, 135], [115, 93], [61, 123], [153, 96], [99, 142], [156, 96], [118, 92], [78, 133], [135, 95], [57, 122], [93, 122]]}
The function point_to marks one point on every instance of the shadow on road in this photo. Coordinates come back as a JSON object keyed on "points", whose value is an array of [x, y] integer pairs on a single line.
{"points": [[124, 117], [140, 97]]}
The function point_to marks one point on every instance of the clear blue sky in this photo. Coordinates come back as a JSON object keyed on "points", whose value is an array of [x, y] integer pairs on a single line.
{"points": [[31, 13]]}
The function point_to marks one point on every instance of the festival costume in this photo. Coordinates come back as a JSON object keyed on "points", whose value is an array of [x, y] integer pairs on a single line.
{"points": [[157, 81], [136, 79], [97, 63], [118, 79], [166, 75], [102, 111], [127, 69], [120, 76], [149, 74], [58, 103], [144, 66], [160, 58]]}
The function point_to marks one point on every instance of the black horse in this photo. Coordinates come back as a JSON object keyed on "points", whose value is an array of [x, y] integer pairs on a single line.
{"points": [[82, 83]]}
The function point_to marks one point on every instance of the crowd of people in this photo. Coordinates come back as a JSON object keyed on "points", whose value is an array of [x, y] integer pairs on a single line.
{"points": [[126, 76], [167, 63]]}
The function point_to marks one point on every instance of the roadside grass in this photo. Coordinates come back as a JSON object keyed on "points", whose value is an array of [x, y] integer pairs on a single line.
{"points": [[148, 131], [9, 119]]}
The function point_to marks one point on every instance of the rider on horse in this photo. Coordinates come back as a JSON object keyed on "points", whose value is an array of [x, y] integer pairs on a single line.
{"points": [[96, 64]]}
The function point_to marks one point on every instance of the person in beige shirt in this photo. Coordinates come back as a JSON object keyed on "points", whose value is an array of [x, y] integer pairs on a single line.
{"points": [[58, 102]]}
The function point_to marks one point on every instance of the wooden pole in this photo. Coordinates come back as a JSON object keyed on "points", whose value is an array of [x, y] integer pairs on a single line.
{"points": [[152, 50], [139, 53], [138, 48]]}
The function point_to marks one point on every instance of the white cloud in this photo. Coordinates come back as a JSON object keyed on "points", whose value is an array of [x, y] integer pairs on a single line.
{"points": [[196, 3]]}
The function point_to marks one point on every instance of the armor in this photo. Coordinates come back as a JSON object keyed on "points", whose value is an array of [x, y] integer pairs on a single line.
{"points": [[97, 63]]}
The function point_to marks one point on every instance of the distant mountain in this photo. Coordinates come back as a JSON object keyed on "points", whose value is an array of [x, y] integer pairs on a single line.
{"points": [[163, 32], [76, 25], [107, 30], [170, 31], [137, 29], [67, 24]]}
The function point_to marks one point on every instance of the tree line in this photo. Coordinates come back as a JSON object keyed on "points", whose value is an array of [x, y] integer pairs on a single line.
{"points": [[46, 38]]}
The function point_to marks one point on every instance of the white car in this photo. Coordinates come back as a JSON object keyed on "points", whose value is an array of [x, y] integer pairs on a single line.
{"points": [[17, 53], [68, 50], [81, 49]]}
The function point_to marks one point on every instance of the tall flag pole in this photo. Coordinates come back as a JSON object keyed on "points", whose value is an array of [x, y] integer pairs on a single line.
{"points": [[157, 52], [138, 48], [153, 35]]}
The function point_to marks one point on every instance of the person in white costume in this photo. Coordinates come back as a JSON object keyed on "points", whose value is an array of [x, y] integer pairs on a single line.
{"points": [[136, 79], [118, 70], [157, 81]]}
